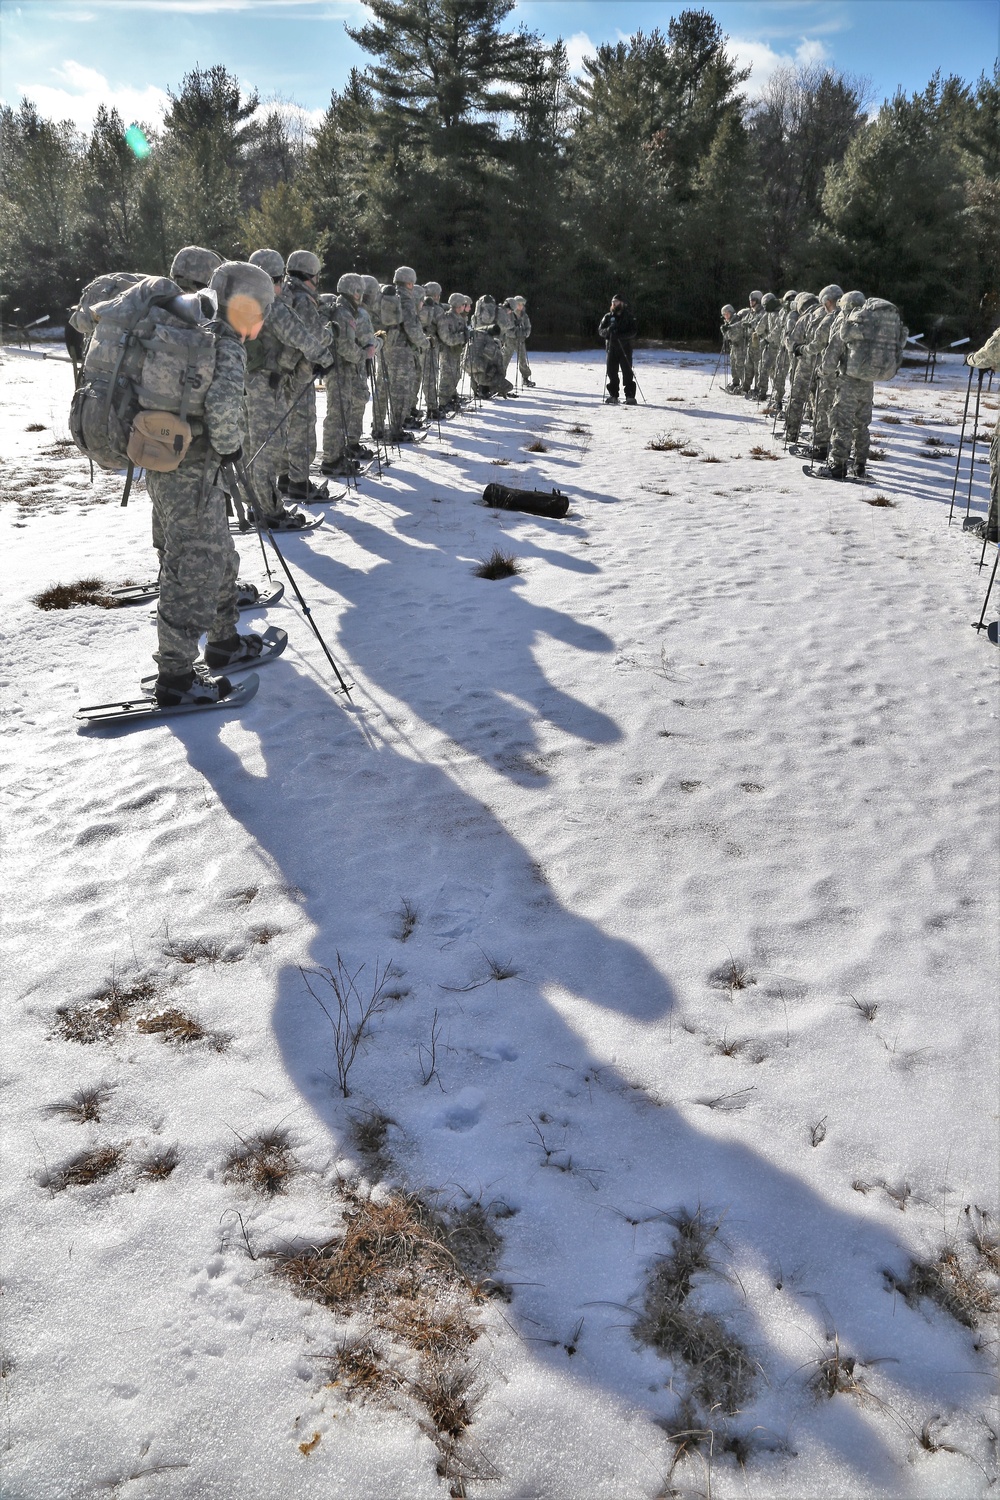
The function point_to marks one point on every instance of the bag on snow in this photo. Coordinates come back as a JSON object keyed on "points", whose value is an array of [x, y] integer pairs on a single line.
{"points": [[533, 502], [149, 364], [875, 338]]}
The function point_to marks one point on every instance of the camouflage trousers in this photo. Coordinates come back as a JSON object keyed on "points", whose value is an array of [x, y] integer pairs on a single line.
{"points": [[516, 346], [403, 378], [265, 407], [802, 371], [737, 364], [994, 511], [826, 392], [429, 363], [780, 375], [300, 428], [449, 372], [359, 394], [340, 393], [765, 368], [380, 399], [849, 419], [199, 563]]}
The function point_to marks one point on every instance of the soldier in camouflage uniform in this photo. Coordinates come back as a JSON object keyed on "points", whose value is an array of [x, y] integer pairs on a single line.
{"points": [[852, 406], [372, 305], [734, 331], [768, 336], [193, 267], [361, 393], [988, 358], [198, 560], [403, 339], [348, 354], [752, 317], [826, 366], [807, 308], [485, 357], [300, 293], [453, 335], [781, 359], [283, 342], [515, 339], [430, 312]]}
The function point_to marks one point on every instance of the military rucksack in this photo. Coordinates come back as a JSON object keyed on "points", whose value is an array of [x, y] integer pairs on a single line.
{"points": [[875, 339], [149, 364], [391, 312], [101, 289]]}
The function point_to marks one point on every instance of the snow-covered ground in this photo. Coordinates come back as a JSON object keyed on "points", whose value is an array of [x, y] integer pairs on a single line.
{"points": [[712, 782]]}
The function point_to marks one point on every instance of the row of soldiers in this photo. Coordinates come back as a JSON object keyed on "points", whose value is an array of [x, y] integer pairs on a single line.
{"points": [[804, 341]]}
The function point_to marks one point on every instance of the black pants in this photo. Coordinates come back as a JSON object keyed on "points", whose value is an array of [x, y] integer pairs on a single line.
{"points": [[620, 362]]}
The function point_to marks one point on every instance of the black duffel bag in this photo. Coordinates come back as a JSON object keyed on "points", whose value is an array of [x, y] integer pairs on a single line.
{"points": [[535, 502]]}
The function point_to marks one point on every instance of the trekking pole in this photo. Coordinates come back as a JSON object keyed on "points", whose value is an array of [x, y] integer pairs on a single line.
{"points": [[793, 365], [378, 441], [972, 450], [434, 377], [718, 362], [631, 369], [279, 424], [236, 476], [390, 405], [961, 443], [982, 617], [236, 503], [351, 474]]}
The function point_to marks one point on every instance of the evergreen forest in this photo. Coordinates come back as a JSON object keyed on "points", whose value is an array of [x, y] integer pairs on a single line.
{"points": [[466, 149]]}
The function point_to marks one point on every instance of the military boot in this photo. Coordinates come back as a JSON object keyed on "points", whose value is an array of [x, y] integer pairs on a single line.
{"points": [[833, 471]]}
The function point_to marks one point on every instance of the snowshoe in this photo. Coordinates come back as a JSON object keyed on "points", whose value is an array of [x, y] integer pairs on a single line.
{"points": [[360, 452], [190, 688], [307, 491], [341, 468], [631, 401], [993, 632], [611, 400], [242, 651], [189, 701]]}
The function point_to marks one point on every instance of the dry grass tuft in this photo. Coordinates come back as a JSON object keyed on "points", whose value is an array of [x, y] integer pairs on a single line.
{"points": [[84, 1107], [179, 1029], [711, 460], [259, 937], [536, 447], [114, 1006], [664, 445], [158, 1165], [407, 920], [447, 1390], [500, 463], [734, 975], [35, 427], [720, 1372], [961, 1290], [880, 502], [360, 1368], [246, 895], [498, 565], [264, 1162], [196, 950], [936, 442], [580, 431], [90, 1166], [69, 595], [689, 453], [836, 1375], [368, 1132], [892, 421], [759, 452], [876, 455]]}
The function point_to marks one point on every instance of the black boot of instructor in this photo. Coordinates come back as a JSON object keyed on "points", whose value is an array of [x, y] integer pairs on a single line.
{"points": [[618, 329]]}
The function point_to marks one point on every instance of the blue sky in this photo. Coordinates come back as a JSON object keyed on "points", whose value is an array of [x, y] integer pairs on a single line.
{"points": [[70, 55]]}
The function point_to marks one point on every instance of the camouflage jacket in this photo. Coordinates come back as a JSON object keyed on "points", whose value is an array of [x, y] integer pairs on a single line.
{"points": [[819, 334], [452, 328], [305, 305], [409, 326], [737, 330], [283, 342], [520, 327], [988, 357], [342, 317], [225, 408]]}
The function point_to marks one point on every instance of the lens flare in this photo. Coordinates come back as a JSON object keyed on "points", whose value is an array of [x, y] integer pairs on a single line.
{"points": [[135, 140]]}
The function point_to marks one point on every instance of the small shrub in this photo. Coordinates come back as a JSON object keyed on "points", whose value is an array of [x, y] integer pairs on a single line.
{"points": [[264, 1162], [880, 502], [689, 453], [536, 447], [84, 1107], [664, 445], [759, 452], [69, 595], [498, 565], [935, 442]]}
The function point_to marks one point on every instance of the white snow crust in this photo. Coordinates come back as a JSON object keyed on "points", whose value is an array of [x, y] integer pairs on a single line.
{"points": [[726, 715]]}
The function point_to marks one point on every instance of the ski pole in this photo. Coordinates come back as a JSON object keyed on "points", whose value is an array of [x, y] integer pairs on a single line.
{"points": [[234, 496], [961, 444], [972, 450], [278, 425], [351, 475], [434, 378], [982, 617], [718, 362], [378, 441], [237, 475]]}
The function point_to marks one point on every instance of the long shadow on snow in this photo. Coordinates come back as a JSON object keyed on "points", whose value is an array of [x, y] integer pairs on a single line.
{"points": [[345, 823]]}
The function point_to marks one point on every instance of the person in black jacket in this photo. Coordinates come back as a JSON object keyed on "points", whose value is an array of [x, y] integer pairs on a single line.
{"points": [[618, 329]]}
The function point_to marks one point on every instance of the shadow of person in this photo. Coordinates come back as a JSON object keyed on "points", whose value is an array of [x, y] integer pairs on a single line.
{"points": [[573, 1049]]}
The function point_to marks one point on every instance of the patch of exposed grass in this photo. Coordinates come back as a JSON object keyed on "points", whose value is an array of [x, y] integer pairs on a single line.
{"points": [[960, 1287], [179, 1029], [536, 447], [760, 452], [876, 455], [751, 786], [690, 786], [260, 937], [710, 459], [70, 595], [936, 442], [892, 421], [407, 920], [578, 430], [85, 1105], [836, 1375], [158, 1165], [86, 1168], [734, 975], [664, 445], [360, 1367], [880, 502], [244, 896], [368, 1132], [498, 565], [109, 1009], [689, 453], [264, 1161], [203, 950], [500, 463]]}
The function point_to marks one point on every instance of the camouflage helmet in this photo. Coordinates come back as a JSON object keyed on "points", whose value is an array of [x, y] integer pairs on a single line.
{"points": [[269, 261], [788, 298], [518, 298], [433, 288], [352, 284], [730, 309], [245, 293], [804, 300], [459, 299], [755, 297], [831, 293], [852, 299], [303, 264], [769, 302], [193, 267], [403, 274]]}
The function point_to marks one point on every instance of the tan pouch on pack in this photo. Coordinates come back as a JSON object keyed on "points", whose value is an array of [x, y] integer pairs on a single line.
{"points": [[158, 441]]}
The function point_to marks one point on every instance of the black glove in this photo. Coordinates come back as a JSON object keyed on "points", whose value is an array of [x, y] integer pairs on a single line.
{"points": [[231, 458], [798, 350]]}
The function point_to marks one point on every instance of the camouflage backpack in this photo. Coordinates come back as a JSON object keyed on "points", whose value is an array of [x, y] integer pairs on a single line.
{"points": [[390, 311], [101, 289], [149, 363], [875, 339]]}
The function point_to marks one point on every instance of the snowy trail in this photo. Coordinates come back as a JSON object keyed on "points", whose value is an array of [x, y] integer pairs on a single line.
{"points": [[716, 770]]}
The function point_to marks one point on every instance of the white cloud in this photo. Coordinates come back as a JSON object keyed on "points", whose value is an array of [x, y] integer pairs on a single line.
{"points": [[764, 62], [80, 90], [578, 46]]}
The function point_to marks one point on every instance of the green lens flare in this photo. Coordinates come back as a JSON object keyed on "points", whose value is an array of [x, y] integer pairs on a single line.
{"points": [[137, 143]]}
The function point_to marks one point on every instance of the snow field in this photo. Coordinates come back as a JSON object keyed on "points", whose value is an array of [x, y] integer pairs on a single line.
{"points": [[712, 774]]}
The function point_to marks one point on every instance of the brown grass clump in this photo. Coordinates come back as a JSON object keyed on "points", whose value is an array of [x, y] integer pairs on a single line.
{"points": [[69, 595], [115, 1004], [158, 1165], [360, 1367], [720, 1372], [689, 453], [84, 1107], [962, 1290], [580, 431], [935, 442], [498, 565], [880, 502], [90, 1166], [179, 1029], [876, 455], [35, 427], [892, 421], [536, 447], [264, 1162], [759, 452], [735, 975], [500, 463], [711, 460], [664, 445], [195, 950], [369, 1131], [836, 1375]]}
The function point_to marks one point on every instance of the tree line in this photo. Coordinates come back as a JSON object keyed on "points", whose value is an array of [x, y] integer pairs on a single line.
{"points": [[469, 150]]}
